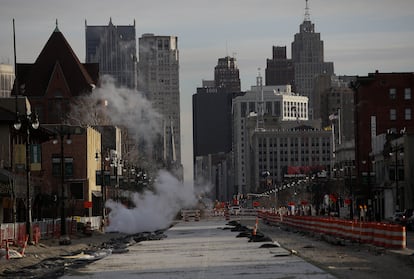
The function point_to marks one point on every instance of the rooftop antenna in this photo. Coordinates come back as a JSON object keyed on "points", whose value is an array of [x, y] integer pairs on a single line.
{"points": [[227, 49], [16, 80], [56, 26], [307, 15]]}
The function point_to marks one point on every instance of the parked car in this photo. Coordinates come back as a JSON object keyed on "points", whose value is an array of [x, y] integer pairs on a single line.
{"points": [[234, 210], [409, 225], [397, 217], [407, 214]]}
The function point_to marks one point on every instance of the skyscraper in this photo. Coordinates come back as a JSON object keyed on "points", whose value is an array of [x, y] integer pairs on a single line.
{"points": [[158, 71], [114, 48], [308, 59], [226, 74]]}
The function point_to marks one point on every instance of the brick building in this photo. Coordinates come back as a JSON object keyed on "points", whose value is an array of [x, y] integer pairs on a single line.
{"points": [[383, 105], [55, 79]]}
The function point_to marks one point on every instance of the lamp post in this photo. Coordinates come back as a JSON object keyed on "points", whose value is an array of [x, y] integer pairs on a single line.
{"points": [[64, 237], [115, 163], [99, 155], [396, 176], [351, 194], [29, 122]]}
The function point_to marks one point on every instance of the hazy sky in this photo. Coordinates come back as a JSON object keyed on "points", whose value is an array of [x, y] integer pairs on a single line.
{"points": [[360, 36]]}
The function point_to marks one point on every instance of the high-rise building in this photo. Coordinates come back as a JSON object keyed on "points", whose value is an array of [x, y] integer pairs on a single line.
{"points": [[279, 69], [226, 74], [158, 71], [308, 59], [114, 48], [6, 79], [279, 103], [212, 132]]}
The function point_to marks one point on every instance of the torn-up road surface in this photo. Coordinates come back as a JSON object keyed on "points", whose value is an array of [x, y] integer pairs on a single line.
{"points": [[205, 249]]}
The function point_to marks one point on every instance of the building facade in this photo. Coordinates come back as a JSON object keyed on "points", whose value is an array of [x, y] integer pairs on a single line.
{"points": [[383, 105], [6, 80], [114, 48], [290, 149], [77, 146], [158, 71], [280, 103]]}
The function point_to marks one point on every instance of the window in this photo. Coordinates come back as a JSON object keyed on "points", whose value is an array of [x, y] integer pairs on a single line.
{"points": [[393, 114], [393, 93], [55, 166], [407, 94], [76, 190], [407, 114], [68, 165]]}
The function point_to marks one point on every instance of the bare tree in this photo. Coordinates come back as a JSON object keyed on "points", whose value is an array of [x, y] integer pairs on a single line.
{"points": [[87, 110]]}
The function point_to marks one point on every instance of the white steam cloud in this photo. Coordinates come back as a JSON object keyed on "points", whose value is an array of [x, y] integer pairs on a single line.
{"points": [[131, 109], [153, 210]]}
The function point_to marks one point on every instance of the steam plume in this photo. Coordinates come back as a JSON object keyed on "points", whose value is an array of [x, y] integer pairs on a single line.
{"points": [[153, 210]]}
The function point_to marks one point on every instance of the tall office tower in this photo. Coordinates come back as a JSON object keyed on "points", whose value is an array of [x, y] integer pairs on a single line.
{"points": [[279, 69], [308, 59], [212, 140], [114, 48], [158, 71], [6, 79], [226, 74]]}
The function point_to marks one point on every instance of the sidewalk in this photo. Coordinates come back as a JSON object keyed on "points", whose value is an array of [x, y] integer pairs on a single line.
{"points": [[50, 248], [408, 252]]}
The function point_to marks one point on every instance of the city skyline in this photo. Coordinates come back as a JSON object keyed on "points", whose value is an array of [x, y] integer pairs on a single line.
{"points": [[358, 37]]}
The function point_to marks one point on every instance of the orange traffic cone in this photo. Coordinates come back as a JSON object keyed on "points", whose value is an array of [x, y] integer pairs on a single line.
{"points": [[7, 251], [25, 245], [255, 226]]}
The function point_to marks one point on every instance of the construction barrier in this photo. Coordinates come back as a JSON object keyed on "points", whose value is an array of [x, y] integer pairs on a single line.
{"points": [[227, 215], [188, 214], [379, 234], [15, 233]]}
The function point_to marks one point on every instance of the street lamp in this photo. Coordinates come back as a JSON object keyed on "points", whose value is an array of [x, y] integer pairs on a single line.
{"points": [[64, 237], [29, 122]]}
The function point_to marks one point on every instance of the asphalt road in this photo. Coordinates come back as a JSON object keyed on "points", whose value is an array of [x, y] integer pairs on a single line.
{"points": [[204, 249]]}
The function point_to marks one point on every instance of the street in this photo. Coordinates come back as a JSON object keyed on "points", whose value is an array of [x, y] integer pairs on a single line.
{"points": [[201, 250]]}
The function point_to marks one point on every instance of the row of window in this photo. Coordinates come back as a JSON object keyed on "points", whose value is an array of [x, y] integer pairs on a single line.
{"points": [[393, 93], [407, 114]]}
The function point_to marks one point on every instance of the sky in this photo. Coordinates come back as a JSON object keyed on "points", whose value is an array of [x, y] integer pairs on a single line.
{"points": [[359, 36]]}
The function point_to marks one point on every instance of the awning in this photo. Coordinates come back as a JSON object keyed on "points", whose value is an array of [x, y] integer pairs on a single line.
{"points": [[6, 176], [97, 194]]}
